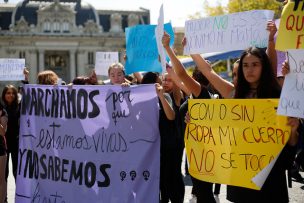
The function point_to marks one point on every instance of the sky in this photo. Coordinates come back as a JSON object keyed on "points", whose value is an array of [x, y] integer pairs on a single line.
{"points": [[175, 11]]}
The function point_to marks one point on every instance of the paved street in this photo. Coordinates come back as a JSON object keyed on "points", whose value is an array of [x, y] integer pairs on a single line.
{"points": [[296, 193]]}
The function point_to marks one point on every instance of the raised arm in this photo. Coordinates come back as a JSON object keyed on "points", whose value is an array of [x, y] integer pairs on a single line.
{"points": [[180, 71], [177, 81], [271, 52], [170, 114], [222, 86]]}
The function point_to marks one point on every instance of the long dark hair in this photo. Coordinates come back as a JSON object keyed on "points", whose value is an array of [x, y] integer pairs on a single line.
{"points": [[14, 104], [150, 78], [199, 77], [268, 86]]}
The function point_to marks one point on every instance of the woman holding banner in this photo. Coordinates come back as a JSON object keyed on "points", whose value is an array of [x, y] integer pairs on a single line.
{"points": [[171, 182], [257, 80], [11, 105], [201, 189], [177, 139], [116, 74]]}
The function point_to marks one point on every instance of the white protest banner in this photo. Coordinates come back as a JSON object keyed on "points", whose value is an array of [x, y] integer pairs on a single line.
{"points": [[103, 61], [11, 69], [89, 144], [159, 32], [292, 95], [236, 31]]}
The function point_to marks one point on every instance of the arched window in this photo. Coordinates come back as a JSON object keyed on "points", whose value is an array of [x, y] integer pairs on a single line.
{"points": [[56, 26], [46, 26], [90, 57], [65, 26], [22, 54]]}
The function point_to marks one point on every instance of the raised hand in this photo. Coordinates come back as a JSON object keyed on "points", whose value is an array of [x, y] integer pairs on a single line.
{"points": [[285, 68], [166, 40], [159, 90], [26, 73], [272, 28]]}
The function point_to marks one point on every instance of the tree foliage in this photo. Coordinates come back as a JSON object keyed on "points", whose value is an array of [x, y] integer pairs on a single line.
{"points": [[214, 11], [196, 15], [234, 6]]}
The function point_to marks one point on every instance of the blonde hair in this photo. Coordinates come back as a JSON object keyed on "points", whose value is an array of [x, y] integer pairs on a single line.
{"points": [[47, 77], [118, 66]]}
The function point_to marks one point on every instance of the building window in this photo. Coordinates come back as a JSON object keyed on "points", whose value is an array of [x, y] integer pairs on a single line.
{"points": [[22, 54], [56, 26], [66, 26], [46, 26], [90, 58]]}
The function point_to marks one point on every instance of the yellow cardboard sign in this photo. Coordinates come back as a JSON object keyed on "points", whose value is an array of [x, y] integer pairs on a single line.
{"points": [[230, 141], [291, 30]]}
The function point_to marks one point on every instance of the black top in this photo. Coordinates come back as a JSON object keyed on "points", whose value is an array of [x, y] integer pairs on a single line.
{"points": [[167, 128], [179, 119], [204, 94], [12, 132]]}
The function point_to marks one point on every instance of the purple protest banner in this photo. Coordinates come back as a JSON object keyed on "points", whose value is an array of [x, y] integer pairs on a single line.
{"points": [[88, 144]]}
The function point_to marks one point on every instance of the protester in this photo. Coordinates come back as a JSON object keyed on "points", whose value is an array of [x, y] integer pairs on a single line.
{"points": [[116, 74], [203, 189], [82, 80], [3, 126], [177, 141], [47, 77], [257, 80], [11, 105], [11, 101], [169, 175]]}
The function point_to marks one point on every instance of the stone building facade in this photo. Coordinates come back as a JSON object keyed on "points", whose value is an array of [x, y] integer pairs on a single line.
{"points": [[64, 35]]}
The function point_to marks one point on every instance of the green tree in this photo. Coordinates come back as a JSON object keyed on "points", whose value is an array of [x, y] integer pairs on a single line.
{"points": [[234, 6], [209, 10], [214, 11], [246, 5], [196, 15]]}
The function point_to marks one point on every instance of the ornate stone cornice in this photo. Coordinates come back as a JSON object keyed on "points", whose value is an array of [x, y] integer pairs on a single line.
{"points": [[11, 51], [21, 26], [90, 27]]}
